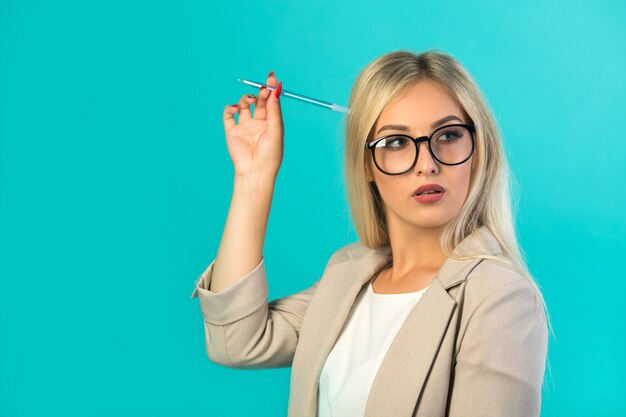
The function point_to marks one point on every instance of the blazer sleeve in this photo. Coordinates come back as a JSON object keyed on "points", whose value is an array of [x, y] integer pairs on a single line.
{"points": [[242, 330], [501, 361]]}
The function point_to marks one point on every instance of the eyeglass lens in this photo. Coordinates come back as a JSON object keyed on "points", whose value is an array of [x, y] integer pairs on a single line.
{"points": [[450, 145]]}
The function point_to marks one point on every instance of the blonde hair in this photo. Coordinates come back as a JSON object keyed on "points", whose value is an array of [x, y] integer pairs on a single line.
{"points": [[488, 201]]}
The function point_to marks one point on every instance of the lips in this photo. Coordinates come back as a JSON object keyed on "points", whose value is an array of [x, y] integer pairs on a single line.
{"points": [[429, 189]]}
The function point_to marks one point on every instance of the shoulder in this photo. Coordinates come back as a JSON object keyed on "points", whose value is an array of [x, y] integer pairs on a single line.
{"points": [[354, 250], [490, 275], [496, 282]]}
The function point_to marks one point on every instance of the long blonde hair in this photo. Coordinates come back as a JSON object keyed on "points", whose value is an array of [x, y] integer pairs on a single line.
{"points": [[488, 201]]}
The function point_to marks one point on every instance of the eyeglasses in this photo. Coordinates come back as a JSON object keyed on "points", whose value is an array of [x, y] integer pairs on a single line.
{"points": [[449, 145]]}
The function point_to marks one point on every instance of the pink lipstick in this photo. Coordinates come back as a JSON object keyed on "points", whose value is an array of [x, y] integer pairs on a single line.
{"points": [[428, 193]]}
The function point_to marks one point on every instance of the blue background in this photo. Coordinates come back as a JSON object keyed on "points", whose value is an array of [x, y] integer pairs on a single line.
{"points": [[115, 183]]}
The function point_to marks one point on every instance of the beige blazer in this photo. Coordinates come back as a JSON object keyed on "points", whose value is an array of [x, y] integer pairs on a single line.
{"points": [[474, 345]]}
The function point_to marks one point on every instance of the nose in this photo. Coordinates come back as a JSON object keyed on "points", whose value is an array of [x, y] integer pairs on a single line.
{"points": [[425, 163]]}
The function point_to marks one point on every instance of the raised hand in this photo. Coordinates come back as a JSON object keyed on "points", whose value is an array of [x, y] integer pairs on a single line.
{"points": [[255, 142]]}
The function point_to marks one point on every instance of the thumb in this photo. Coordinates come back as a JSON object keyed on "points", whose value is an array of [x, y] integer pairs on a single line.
{"points": [[274, 112]]}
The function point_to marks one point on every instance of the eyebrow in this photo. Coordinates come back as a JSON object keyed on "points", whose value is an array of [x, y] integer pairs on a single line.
{"points": [[404, 128]]}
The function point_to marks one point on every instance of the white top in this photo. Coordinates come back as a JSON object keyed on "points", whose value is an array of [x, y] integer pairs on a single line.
{"points": [[351, 365]]}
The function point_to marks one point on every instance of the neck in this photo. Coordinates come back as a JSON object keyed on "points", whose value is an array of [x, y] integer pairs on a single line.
{"points": [[415, 250]]}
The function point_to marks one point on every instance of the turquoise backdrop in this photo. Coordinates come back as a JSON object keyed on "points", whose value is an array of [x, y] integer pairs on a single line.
{"points": [[115, 182]]}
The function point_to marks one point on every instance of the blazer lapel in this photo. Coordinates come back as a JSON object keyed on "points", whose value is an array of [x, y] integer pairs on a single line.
{"points": [[400, 378], [399, 382], [324, 320]]}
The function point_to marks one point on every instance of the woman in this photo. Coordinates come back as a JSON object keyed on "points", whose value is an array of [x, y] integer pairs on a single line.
{"points": [[432, 312]]}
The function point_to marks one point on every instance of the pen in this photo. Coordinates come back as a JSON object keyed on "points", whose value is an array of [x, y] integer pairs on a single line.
{"points": [[301, 97]]}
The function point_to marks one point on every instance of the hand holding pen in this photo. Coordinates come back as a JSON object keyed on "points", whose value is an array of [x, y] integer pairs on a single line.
{"points": [[255, 142]]}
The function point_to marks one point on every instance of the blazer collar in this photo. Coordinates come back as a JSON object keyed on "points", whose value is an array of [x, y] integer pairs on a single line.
{"points": [[451, 273], [401, 375]]}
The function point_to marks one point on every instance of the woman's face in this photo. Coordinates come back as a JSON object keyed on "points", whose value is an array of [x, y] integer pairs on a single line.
{"points": [[423, 105]]}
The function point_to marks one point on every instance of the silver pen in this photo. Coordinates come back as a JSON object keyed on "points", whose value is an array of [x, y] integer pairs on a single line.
{"points": [[301, 97]]}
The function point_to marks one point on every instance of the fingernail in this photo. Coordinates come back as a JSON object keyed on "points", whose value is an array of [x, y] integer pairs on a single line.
{"points": [[234, 105], [261, 89], [271, 74], [280, 87], [251, 96]]}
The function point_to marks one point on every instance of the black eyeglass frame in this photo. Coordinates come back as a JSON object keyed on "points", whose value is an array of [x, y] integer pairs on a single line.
{"points": [[417, 140]]}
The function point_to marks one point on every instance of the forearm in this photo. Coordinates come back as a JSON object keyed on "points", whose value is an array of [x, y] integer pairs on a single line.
{"points": [[241, 246]]}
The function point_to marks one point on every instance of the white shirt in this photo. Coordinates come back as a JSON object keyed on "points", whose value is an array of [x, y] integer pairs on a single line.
{"points": [[352, 363]]}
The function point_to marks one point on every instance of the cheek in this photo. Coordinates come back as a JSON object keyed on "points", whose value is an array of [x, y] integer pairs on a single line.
{"points": [[463, 180], [388, 186]]}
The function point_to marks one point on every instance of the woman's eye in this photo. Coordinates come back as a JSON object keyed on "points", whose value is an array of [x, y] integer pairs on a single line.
{"points": [[397, 142], [449, 136]]}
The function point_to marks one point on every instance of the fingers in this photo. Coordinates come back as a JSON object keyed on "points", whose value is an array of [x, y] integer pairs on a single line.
{"points": [[273, 109], [244, 107], [229, 116], [260, 107], [267, 107]]}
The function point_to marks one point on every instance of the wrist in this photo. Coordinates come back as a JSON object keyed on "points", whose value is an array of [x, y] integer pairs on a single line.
{"points": [[254, 185]]}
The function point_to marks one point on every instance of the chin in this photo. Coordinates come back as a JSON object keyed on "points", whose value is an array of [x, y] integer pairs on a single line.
{"points": [[427, 222]]}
